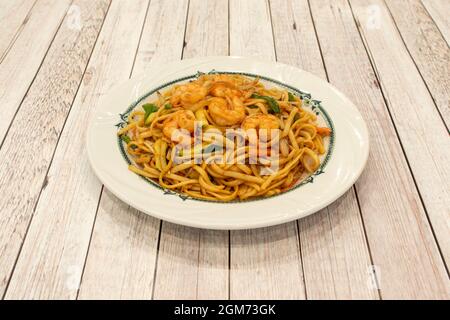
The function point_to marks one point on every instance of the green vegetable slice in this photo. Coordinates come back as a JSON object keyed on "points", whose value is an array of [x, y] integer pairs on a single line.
{"points": [[273, 104], [149, 108], [291, 97], [125, 138]]}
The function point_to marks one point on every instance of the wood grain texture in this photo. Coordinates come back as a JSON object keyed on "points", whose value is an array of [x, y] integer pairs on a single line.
{"points": [[207, 28], [41, 117], [122, 254], [161, 41], [64, 236], [13, 17], [335, 256], [53, 255], [438, 10], [251, 29], [193, 263], [414, 113], [158, 44], [20, 65], [427, 47], [399, 236], [265, 263]]}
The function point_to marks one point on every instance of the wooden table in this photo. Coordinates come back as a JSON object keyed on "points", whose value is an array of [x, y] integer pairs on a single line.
{"points": [[64, 236]]}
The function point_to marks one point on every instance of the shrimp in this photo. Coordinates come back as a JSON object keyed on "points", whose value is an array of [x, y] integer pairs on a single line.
{"points": [[260, 121], [323, 131], [224, 89], [183, 119], [226, 112], [222, 77], [265, 123], [188, 94]]}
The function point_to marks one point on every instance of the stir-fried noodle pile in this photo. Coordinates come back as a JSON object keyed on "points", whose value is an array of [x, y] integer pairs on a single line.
{"points": [[224, 137]]}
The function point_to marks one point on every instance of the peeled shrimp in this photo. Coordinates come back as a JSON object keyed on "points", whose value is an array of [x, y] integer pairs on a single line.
{"points": [[183, 119], [188, 94], [260, 121], [224, 89], [226, 112]]}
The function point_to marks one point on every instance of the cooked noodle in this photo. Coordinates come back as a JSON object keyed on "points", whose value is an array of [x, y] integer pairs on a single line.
{"points": [[160, 137]]}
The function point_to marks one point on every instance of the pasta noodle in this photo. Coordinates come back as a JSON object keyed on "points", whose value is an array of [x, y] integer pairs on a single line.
{"points": [[178, 140]]}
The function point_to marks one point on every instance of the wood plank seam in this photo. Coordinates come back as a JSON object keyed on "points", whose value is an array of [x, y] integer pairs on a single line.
{"points": [[199, 242], [366, 238], [229, 232], [302, 270], [291, 20], [271, 26], [318, 42], [434, 21], [374, 68], [353, 187], [34, 77], [6, 134], [90, 240], [253, 251], [229, 45], [348, 38], [386, 103], [155, 272], [44, 183], [17, 33], [161, 222], [415, 63], [102, 188], [102, 193], [305, 289], [140, 39]]}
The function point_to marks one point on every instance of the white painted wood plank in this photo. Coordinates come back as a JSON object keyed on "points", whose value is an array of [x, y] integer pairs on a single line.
{"points": [[400, 238], [213, 265], [335, 257], [295, 39], [198, 258], [121, 260], [162, 37], [207, 28], [52, 93], [250, 29], [265, 263], [438, 10], [333, 245], [13, 17], [192, 264], [161, 41], [425, 138], [53, 255], [427, 47], [20, 65]]}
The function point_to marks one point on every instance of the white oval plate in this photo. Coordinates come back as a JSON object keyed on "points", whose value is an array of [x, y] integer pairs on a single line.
{"points": [[344, 165]]}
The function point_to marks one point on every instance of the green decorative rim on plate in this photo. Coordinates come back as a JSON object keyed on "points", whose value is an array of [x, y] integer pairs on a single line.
{"points": [[315, 105]]}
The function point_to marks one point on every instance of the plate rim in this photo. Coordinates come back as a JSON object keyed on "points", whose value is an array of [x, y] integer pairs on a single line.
{"points": [[222, 225]]}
